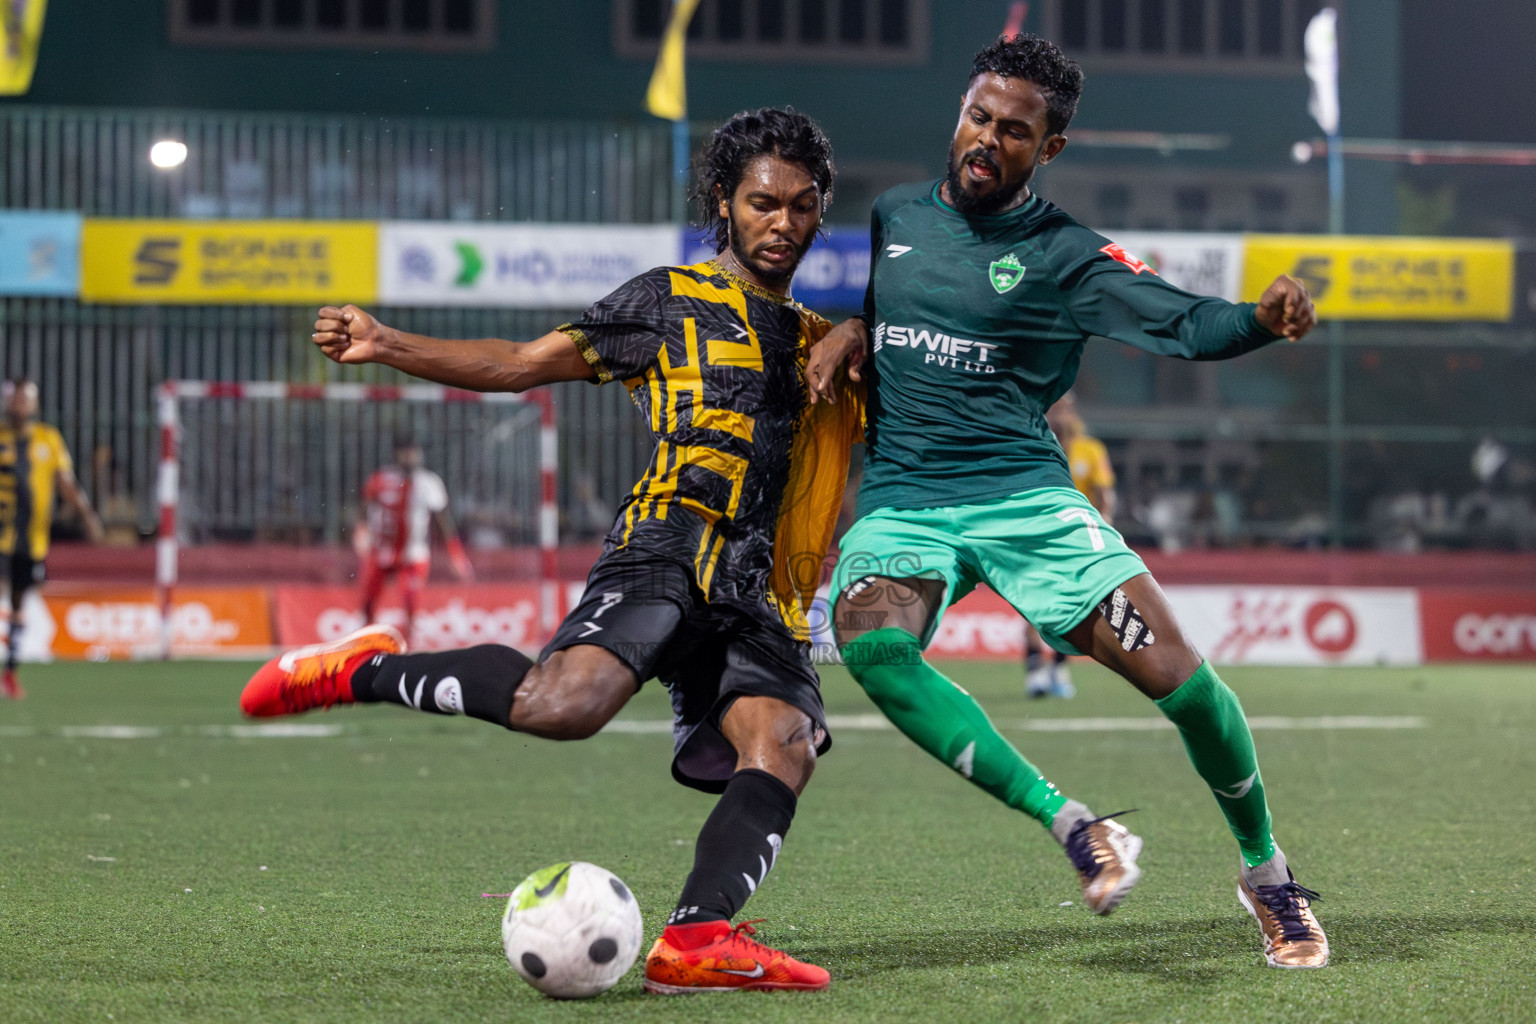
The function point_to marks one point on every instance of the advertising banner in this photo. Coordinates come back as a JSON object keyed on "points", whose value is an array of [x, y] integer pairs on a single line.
{"points": [[1366, 278], [228, 261], [1478, 625], [527, 266], [831, 278], [1231, 625], [101, 623], [1203, 264], [39, 253], [1241, 625], [980, 625], [448, 616]]}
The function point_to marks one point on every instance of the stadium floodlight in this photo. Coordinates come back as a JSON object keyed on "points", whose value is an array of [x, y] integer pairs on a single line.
{"points": [[173, 393], [168, 154]]}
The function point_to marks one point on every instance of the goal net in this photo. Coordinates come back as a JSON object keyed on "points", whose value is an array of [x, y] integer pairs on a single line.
{"points": [[283, 463]]}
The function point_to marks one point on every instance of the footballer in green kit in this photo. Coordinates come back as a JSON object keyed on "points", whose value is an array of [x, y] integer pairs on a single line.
{"points": [[981, 298]]}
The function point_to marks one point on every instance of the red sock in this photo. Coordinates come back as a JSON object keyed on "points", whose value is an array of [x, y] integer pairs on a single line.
{"points": [[695, 934]]}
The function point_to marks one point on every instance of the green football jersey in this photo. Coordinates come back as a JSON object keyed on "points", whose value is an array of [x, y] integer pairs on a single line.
{"points": [[979, 325]]}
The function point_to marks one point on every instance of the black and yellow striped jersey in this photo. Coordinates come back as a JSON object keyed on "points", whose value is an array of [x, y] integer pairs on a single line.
{"points": [[747, 475], [31, 460]]}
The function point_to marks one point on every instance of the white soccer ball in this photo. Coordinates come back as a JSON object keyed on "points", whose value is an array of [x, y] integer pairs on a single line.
{"points": [[572, 930]]}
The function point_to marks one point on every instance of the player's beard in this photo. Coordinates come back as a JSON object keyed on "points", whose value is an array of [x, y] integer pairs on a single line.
{"points": [[979, 205], [769, 275]]}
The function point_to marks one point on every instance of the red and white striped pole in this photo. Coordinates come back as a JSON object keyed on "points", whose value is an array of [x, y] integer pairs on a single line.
{"points": [[168, 491], [549, 515]]}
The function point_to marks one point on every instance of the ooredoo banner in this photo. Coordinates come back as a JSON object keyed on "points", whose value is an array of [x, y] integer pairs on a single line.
{"points": [[1462, 625], [447, 616]]}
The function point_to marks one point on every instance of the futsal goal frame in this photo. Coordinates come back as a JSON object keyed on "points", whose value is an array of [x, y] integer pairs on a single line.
{"points": [[173, 393]]}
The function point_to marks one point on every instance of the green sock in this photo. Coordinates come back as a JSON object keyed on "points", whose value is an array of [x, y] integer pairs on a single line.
{"points": [[946, 721], [1216, 735]]}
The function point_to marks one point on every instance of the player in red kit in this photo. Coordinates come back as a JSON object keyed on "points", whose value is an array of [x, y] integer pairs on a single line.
{"points": [[401, 501]]}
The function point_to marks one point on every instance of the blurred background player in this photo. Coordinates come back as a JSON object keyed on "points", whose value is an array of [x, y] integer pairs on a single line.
{"points": [[401, 502], [34, 463], [1094, 477]]}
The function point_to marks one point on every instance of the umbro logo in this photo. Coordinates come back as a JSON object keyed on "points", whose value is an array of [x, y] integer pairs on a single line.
{"points": [[893, 251], [1238, 791]]}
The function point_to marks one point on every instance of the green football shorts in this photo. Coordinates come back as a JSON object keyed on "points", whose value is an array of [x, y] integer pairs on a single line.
{"points": [[1046, 551]]}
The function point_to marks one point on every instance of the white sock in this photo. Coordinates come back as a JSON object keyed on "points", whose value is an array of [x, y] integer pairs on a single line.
{"points": [[1068, 816], [1271, 872]]}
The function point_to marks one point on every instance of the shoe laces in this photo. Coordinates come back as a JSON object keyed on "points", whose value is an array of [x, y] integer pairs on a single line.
{"points": [[1088, 856], [740, 937], [1285, 903]]}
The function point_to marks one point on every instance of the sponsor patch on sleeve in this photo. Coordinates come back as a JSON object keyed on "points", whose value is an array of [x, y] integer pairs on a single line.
{"points": [[1118, 253]]}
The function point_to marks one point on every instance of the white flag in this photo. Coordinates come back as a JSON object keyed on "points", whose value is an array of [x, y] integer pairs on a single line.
{"points": [[1322, 50]]}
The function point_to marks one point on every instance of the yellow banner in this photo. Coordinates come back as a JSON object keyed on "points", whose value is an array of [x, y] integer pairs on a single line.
{"points": [[228, 261], [21, 33], [1368, 278]]}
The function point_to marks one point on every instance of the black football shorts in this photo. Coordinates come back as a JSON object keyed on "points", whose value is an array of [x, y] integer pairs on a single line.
{"points": [[647, 610], [22, 573]]}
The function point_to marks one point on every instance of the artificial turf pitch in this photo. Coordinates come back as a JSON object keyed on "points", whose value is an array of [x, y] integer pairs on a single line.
{"points": [[172, 869]]}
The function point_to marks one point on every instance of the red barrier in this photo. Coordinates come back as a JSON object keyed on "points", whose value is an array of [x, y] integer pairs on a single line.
{"points": [[448, 616], [1462, 625]]}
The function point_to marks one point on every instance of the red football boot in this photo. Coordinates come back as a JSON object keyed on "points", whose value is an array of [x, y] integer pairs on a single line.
{"points": [[317, 676], [712, 956], [10, 686]]}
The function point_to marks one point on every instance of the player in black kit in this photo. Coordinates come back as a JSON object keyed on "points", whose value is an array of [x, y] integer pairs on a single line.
{"points": [[705, 578]]}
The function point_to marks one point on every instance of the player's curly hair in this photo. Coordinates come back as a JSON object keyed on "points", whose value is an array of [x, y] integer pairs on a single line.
{"points": [[787, 134], [1040, 61]]}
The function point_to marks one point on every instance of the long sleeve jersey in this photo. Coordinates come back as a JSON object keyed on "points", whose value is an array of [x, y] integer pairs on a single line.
{"points": [[979, 324]]}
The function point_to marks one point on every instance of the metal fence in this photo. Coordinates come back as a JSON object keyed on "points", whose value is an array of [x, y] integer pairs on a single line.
{"points": [[279, 165], [1365, 434], [98, 366]]}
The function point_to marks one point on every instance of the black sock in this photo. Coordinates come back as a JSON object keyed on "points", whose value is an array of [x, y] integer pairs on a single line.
{"points": [[1034, 658], [475, 681], [737, 846], [1059, 657], [13, 645]]}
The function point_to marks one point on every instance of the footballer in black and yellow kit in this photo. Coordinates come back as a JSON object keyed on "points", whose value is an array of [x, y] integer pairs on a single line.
{"points": [[736, 509], [706, 577], [34, 467]]}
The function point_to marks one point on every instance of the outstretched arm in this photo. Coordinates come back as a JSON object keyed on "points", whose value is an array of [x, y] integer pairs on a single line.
{"points": [[1286, 309], [347, 334], [1116, 296]]}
